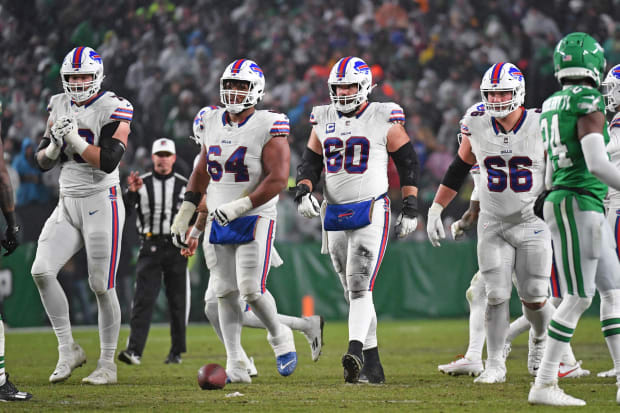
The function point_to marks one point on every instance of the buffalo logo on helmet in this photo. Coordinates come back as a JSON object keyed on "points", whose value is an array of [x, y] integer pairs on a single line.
{"points": [[362, 67], [515, 73]]}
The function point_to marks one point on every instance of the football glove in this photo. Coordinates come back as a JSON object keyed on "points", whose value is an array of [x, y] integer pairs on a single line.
{"points": [[407, 220], [307, 204], [457, 230], [10, 242], [179, 226], [230, 211], [434, 226]]}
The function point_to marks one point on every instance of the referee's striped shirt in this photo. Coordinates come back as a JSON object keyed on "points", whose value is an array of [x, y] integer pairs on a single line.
{"points": [[158, 201]]}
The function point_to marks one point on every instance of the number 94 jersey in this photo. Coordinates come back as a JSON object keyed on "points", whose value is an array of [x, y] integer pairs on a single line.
{"points": [[77, 177], [355, 150], [512, 163], [234, 155]]}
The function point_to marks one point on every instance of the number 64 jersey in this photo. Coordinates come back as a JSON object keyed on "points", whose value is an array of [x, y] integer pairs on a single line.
{"points": [[234, 155], [512, 163], [355, 150]]}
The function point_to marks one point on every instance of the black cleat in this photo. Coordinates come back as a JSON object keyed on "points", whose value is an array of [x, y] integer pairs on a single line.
{"points": [[129, 357], [352, 367], [173, 359], [9, 393], [372, 374]]}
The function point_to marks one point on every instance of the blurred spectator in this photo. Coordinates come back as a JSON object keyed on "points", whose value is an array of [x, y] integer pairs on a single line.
{"points": [[31, 188]]}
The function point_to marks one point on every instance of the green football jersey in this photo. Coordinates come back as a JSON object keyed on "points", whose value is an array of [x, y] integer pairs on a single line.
{"points": [[558, 124]]}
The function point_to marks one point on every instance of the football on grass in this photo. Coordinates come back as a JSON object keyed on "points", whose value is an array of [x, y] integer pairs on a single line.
{"points": [[211, 377]]}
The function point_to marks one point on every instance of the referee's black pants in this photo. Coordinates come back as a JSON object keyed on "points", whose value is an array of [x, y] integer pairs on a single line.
{"points": [[159, 258]]}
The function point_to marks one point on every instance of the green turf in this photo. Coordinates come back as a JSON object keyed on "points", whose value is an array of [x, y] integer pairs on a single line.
{"points": [[410, 352]]}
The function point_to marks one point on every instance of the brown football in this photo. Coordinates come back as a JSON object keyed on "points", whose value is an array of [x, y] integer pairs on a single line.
{"points": [[212, 377]]}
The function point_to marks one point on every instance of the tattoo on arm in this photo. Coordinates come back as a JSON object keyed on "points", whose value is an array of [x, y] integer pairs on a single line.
{"points": [[201, 221]]}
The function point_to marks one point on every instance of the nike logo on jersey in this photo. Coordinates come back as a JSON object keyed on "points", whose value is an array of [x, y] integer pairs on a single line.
{"points": [[539, 231], [283, 366], [93, 212]]}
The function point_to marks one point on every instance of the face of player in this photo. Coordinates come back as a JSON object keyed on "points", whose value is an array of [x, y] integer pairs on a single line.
{"points": [[239, 86], [163, 162], [78, 81], [346, 90]]}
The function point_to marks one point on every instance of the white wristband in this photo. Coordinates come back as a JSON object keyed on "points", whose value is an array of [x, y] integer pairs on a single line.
{"points": [[79, 146], [195, 233], [52, 151]]}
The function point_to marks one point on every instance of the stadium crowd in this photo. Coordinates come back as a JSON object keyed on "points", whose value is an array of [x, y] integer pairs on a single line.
{"points": [[166, 57]]}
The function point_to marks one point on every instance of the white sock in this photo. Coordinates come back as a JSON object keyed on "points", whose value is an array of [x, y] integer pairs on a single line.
{"points": [[264, 308], [371, 338], [109, 323], [211, 311], [56, 306], [497, 323], [230, 323], [2, 375], [568, 357], [539, 319], [517, 327], [610, 322], [295, 323], [476, 296], [361, 310], [550, 363]]}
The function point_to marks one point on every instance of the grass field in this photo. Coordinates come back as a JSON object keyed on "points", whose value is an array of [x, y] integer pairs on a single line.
{"points": [[410, 352]]}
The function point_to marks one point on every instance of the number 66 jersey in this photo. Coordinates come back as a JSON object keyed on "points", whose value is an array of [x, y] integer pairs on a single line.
{"points": [[354, 150], [234, 155], [512, 163]]}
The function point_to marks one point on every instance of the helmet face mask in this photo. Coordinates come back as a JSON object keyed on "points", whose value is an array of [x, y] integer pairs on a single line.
{"points": [[503, 77], [242, 85], [82, 61], [579, 56], [346, 72], [611, 89]]}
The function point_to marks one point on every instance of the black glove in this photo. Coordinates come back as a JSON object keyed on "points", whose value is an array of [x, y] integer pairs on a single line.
{"points": [[300, 191], [10, 242], [540, 203], [410, 206]]}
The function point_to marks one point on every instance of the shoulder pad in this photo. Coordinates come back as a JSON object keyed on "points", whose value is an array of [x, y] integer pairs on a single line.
{"points": [[319, 114], [391, 112], [279, 124], [585, 100], [54, 100], [120, 108]]}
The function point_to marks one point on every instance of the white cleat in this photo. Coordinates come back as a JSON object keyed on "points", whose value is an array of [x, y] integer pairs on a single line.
{"points": [[495, 372], [618, 393], [105, 373], [252, 371], [536, 349], [462, 366], [71, 356], [608, 373], [550, 394], [237, 372], [507, 349], [572, 371], [315, 335]]}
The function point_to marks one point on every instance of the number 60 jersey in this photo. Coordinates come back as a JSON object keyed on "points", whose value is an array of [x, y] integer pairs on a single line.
{"points": [[234, 155], [512, 163], [355, 150]]}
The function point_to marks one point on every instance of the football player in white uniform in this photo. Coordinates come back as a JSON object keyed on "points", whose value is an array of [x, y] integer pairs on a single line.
{"points": [[611, 93], [504, 139], [87, 134], [352, 139], [243, 166]]}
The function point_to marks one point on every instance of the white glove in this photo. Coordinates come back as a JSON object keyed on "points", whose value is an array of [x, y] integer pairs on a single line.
{"points": [[405, 225], [230, 211], [456, 230], [179, 226], [434, 226], [72, 137], [308, 206], [52, 150]]}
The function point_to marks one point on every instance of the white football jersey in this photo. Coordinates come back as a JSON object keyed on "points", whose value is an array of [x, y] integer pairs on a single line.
{"points": [[77, 177], [613, 149], [512, 164], [234, 155], [355, 152]]}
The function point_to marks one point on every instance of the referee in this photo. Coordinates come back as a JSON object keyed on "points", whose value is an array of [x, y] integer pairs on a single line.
{"points": [[156, 196]]}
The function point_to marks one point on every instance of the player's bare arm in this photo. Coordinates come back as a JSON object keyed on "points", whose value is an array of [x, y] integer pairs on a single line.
{"points": [[276, 159], [456, 174]]}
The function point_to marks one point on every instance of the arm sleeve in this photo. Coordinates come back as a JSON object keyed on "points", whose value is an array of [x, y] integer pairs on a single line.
{"points": [[593, 147], [112, 150]]}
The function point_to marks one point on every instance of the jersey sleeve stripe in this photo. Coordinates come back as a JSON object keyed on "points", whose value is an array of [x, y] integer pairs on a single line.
{"points": [[124, 110], [113, 116]]}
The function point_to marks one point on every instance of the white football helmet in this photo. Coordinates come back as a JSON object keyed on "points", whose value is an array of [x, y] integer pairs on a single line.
{"points": [[245, 70], [611, 89], [350, 70], [503, 77], [84, 61]]}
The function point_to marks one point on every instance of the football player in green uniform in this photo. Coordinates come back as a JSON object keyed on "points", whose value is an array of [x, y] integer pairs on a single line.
{"points": [[574, 129]]}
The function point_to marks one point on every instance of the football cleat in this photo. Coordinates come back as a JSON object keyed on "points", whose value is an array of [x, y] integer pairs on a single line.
{"points": [[495, 372], [462, 366], [252, 371], [572, 371], [315, 335], [237, 372], [506, 351], [9, 393], [352, 367], [173, 359], [284, 349], [372, 374], [536, 349], [129, 357], [550, 394], [608, 373], [105, 373], [71, 356]]}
